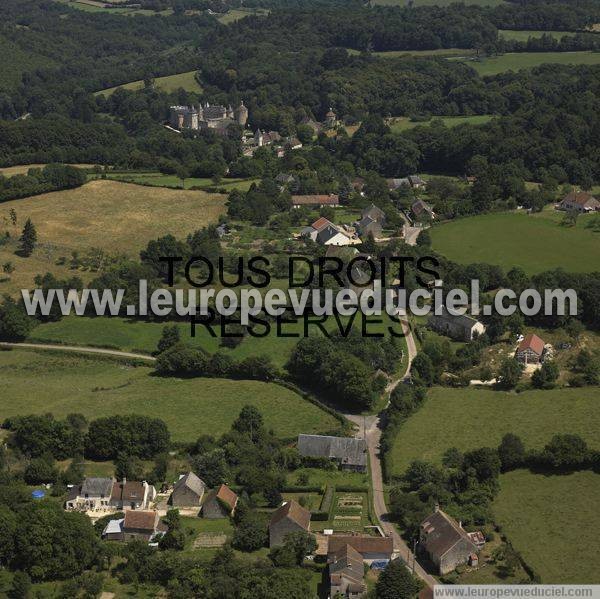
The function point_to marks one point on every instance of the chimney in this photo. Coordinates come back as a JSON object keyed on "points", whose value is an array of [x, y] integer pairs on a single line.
{"points": [[460, 524], [436, 507]]}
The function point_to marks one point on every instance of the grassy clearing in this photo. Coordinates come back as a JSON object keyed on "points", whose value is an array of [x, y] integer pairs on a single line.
{"points": [[535, 242], [16, 61], [438, 2], [116, 217], [471, 418], [524, 35], [22, 169], [527, 60], [93, 6], [549, 519], [236, 14], [168, 83], [440, 52], [160, 180], [40, 382], [398, 124]]}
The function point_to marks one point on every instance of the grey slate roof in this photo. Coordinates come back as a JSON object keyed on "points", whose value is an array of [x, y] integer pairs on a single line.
{"points": [[95, 487], [347, 449], [442, 532], [464, 321], [191, 481]]}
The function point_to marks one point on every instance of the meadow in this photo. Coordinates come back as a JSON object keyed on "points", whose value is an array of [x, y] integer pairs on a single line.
{"points": [[95, 6], [235, 14], [168, 83], [463, 418], [524, 35], [535, 242], [398, 124], [40, 382], [553, 522], [440, 52], [116, 217], [159, 180], [516, 61], [437, 2], [23, 169]]}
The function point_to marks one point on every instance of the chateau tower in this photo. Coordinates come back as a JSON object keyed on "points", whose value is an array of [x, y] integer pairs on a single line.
{"points": [[241, 115]]}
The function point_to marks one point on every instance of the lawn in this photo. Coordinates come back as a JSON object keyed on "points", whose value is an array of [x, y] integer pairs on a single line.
{"points": [[116, 217], [160, 180], [535, 242], [168, 83], [398, 124], [528, 60], [553, 521], [524, 35], [471, 418], [40, 382]]}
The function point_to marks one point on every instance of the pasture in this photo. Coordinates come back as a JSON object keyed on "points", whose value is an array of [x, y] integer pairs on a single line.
{"points": [[235, 14], [527, 60], [22, 169], [524, 35], [553, 522], [115, 217], [159, 180], [43, 381], [96, 6], [535, 242], [168, 83], [470, 418]]}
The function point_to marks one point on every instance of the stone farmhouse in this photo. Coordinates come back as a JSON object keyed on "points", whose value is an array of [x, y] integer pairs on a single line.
{"points": [[324, 232], [461, 327], [136, 524], [531, 350], [412, 181], [348, 452], [106, 494], [346, 573], [290, 517], [420, 209], [216, 117], [316, 200], [580, 201], [371, 222], [445, 542], [219, 503], [188, 491]]}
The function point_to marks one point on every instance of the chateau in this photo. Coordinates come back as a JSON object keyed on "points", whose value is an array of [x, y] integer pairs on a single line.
{"points": [[208, 117]]}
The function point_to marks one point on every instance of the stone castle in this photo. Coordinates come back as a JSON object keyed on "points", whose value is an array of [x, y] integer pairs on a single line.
{"points": [[208, 117]]}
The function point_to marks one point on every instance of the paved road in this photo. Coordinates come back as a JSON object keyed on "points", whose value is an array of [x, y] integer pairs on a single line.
{"points": [[369, 427], [80, 349]]}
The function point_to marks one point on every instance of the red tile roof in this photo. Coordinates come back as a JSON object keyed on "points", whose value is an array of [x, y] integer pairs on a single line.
{"points": [[316, 200], [362, 544], [532, 342], [581, 198], [227, 496], [321, 223]]}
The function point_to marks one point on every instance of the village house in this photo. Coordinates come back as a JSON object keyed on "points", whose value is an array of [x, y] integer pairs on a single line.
{"points": [[461, 327], [316, 200], [346, 573], [132, 494], [530, 350], [290, 517], [324, 232], [421, 209], [371, 548], [219, 503], [348, 452], [371, 222], [136, 524], [93, 494], [445, 542], [579, 201], [411, 182], [188, 491]]}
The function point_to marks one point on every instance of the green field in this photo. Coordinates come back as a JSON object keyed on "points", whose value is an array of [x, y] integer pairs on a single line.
{"points": [[40, 382], [235, 14], [398, 124], [160, 180], [553, 521], [535, 242], [437, 2], [16, 61], [168, 83], [527, 60], [471, 418], [440, 52], [524, 35], [93, 6]]}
